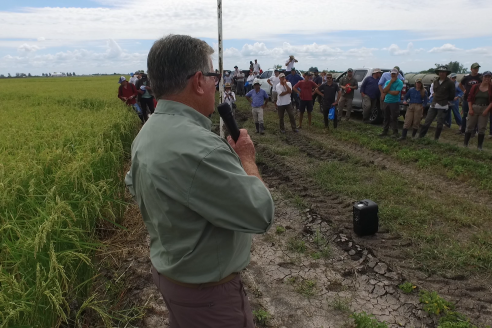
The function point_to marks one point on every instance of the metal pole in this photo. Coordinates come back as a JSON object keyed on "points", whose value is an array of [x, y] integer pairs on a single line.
{"points": [[221, 63]]}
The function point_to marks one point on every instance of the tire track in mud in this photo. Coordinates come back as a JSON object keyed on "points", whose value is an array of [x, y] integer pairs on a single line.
{"points": [[473, 298]]}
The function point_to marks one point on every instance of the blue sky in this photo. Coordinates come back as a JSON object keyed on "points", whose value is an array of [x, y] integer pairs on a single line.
{"points": [[106, 36]]}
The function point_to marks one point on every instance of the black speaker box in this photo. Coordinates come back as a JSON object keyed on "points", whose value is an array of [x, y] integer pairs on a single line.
{"points": [[366, 220]]}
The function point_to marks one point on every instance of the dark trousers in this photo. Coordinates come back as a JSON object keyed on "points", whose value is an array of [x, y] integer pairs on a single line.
{"points": [[222, 306], [295, 99], [281, 113], [326, 111], [240, 88], [147, 103], [391, 113], [431, 115], [464, 106]]}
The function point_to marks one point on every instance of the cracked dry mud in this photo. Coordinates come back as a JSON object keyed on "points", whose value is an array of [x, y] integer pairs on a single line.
{"points": [[304, 289]]}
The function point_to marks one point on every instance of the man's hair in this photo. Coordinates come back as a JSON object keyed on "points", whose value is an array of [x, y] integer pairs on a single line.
{"points": [[172, 59]]}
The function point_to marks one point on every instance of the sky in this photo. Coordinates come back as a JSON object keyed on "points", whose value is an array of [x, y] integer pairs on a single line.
{"points": [[115, 36]]}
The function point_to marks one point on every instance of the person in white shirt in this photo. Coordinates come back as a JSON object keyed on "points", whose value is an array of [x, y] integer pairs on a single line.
{"points": [[240, 78], [256, 68], [227, 78], [229, 96], [273, 81], [290, 62], [284, 90], [249, 80], [134, 78]]}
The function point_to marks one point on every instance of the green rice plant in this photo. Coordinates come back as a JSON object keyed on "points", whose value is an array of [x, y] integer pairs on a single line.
{"points": [[63, 145], [364, 320]]}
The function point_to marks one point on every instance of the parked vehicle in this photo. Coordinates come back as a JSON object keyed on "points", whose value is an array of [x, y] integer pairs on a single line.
{"points": [[267, 74], [376, 115]]}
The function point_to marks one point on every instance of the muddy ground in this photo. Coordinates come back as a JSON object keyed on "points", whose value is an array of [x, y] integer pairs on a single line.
{"points": [[310, 270]]}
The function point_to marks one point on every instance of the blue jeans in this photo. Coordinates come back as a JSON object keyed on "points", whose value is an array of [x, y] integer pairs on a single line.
{"points": [[455, 108], [137, 108]]}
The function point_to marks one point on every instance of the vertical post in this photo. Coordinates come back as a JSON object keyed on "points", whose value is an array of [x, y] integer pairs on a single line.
{"points": [[221, 63]]}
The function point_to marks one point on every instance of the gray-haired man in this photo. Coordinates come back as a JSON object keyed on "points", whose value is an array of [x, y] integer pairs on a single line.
{"points": [[201, 197]]}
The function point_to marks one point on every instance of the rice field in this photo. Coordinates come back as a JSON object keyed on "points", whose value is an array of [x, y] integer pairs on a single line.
{"points": [[63, 145]]}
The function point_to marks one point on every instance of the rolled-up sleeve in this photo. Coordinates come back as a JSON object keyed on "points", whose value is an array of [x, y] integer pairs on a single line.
{"points": [[227, 197]]}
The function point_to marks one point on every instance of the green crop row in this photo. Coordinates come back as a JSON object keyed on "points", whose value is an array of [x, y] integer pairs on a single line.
{"points": [[63, 145]]}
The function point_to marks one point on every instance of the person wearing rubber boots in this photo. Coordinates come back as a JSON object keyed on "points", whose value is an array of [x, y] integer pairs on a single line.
{"points": [[392, 90], [444, 92], [258, 98], [479, 104], [348, 84], [416, 98]]}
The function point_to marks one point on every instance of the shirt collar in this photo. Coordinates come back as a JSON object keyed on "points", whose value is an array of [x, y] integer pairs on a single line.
{"points": [[170, 107]]}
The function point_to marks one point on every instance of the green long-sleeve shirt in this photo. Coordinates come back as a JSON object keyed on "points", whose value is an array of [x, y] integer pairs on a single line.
{"points": [[199, 205]]}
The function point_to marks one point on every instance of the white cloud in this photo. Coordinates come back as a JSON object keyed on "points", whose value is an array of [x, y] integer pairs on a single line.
{"points": [[361, 52], [41, 39], [396, 51], [28, 48], [481, 51], [199, 18], [447, 47]]}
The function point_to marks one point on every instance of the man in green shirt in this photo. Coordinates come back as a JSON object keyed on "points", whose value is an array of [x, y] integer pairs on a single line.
{"points": [[348, 84], [201, 197]]}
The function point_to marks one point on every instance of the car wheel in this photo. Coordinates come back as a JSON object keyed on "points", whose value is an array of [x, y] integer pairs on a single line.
{"points": [[376, 116]]}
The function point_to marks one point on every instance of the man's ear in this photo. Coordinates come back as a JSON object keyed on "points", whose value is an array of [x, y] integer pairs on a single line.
{"points": [[198, 83]]}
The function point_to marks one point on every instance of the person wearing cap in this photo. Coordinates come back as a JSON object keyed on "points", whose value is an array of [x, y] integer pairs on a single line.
{"points": [[134, 78], [290, 62], [306, 88], [330, 92], [455, 106], [416, 98], [293, 78], [127, 92], [385, 77], [444, 92], [479, 104], [348, 84], [284, 90], [273, 81], [258, 98], [370, 93], [249, 82], [201, 196], [229, 96], [256, 68], [391, 108], [467, 82], [145, 97], [227, 77]]}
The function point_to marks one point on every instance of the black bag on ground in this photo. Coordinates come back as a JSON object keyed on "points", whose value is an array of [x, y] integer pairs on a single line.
{"points": [[366, 220]]}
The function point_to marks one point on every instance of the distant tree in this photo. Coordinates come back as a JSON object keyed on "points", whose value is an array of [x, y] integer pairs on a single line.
{"points": [[73, 73], [1, 75], [456, 67], [312, 69], [29, 74], [9, 75], [429, 71], [332, 71], [17, 74], [278, 66], [49, 74]]}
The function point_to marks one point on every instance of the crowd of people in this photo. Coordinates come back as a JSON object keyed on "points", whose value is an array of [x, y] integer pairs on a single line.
{"points": [[380, 88], [137, 93]]}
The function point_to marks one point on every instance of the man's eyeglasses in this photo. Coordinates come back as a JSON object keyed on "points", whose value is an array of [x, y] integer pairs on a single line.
{"points": [[216, 76]]}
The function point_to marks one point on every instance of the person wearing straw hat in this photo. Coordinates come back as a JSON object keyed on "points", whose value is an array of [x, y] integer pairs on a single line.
{"points": [[258, 98], [290, 62], [416, 98], [229, 96], [444, 92], [479, 104]]}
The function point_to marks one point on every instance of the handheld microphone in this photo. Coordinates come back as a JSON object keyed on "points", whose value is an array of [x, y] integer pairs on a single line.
{"points": [[225, 111]]}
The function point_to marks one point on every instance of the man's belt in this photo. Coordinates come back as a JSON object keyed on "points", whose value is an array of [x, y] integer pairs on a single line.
{"points": [[201, 286]]}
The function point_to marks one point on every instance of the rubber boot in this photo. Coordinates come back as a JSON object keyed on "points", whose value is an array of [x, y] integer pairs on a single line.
{"points": [[414, 132], [403, 134], [257, 127], [480, 141], [262, 128], [395, 134], [438, 134], [383, 134], [467, 139]]}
